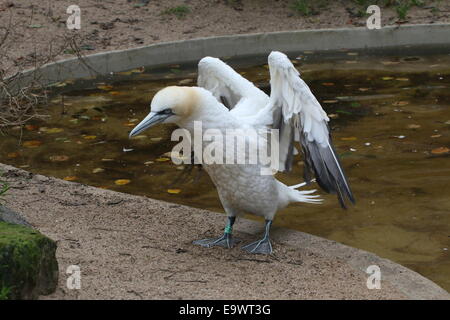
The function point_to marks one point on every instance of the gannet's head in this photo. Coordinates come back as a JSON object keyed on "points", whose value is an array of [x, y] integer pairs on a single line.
{"points": [[169, 105]]}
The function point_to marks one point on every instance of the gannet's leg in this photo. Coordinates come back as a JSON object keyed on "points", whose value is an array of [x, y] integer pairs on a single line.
{"points": [[262, 246], [226, 240]]}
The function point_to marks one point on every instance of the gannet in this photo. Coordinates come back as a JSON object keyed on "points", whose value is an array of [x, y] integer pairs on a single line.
{"points": [[224, 99]]}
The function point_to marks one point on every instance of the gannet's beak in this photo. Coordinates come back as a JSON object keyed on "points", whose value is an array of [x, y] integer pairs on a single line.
{"points": [[150, 120]]}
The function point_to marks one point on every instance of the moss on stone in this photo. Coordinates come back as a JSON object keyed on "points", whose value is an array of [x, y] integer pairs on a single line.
{"points": [[28, 266]]}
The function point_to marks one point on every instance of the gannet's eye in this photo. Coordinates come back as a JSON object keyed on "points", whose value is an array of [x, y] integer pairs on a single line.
{"points": [[166, 111]]}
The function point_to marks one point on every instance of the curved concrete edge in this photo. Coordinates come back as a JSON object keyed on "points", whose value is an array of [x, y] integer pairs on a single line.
{"points": [[190, 51], [411, 284]]}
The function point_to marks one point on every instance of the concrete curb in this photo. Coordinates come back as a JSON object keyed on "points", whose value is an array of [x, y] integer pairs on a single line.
{"points": [[392, 38], [407, 281]]}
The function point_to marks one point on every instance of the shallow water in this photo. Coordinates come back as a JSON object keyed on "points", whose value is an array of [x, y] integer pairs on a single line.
{"points": [[390, 122]]}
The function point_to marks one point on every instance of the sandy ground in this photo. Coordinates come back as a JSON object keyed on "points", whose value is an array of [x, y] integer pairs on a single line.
{"points": [[39, 26], [131, 247]]}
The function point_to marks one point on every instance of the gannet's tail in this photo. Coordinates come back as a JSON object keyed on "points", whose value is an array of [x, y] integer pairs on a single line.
{"points": [[303, 196]]}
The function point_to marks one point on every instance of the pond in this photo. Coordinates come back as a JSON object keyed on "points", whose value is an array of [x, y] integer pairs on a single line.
{"points": [[390, 116]]}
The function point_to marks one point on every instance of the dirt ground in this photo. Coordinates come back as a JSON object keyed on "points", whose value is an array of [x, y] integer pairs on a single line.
{"points": [[37, 28], [131, 247]]}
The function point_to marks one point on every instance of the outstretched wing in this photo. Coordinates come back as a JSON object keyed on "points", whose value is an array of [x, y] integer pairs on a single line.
{"points": [[229, 87], [299, 117]]}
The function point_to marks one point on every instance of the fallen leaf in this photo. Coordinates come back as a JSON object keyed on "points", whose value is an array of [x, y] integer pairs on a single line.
{"points": [[32, 143], [98, 170], [414, 126], [185, 81], [92, 137], [387, 78], [400, 103], [363, 89], [156, 139], [436, 136], [402, 79], [31, 127], [70, 178], [60, 158], [148, 162], [114, 93], [330, 101], [107, 160], [105, 87], [129, 124], [440, 150], [162, 159], [333, 116], [387, 63], [173, 191], [12, 155], [328, 84], [121, 182], [349, 138]]}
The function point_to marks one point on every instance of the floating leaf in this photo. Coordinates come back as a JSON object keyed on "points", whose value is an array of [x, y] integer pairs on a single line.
{"points": [[173, 191], [363, 89], [107, 160], [105, 87], [75, 121], [148, 163], [32, 143], [12, 155], [92, 137], [114, 93], [185, 81], [328, 84], [402, 79], [414, 126], [31, 127], [121, 182], [129, 124], [436, 136], [349, 138], [53, 130], [333, 116], [388, 63], [139, 137], [400, 103], [344, 112], [70, 178], [352, 53], [59, 158], [387, 78], [355, 104], [440, 150], [330, 101], [162, 159], [156, 139], [98, 170]]}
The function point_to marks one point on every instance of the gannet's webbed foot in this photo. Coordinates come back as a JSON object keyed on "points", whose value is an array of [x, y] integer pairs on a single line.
{"points": [[226, 241], [262, 246]]}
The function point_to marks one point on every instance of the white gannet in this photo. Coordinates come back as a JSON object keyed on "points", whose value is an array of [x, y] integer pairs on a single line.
{"points": [[225, 100]]}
